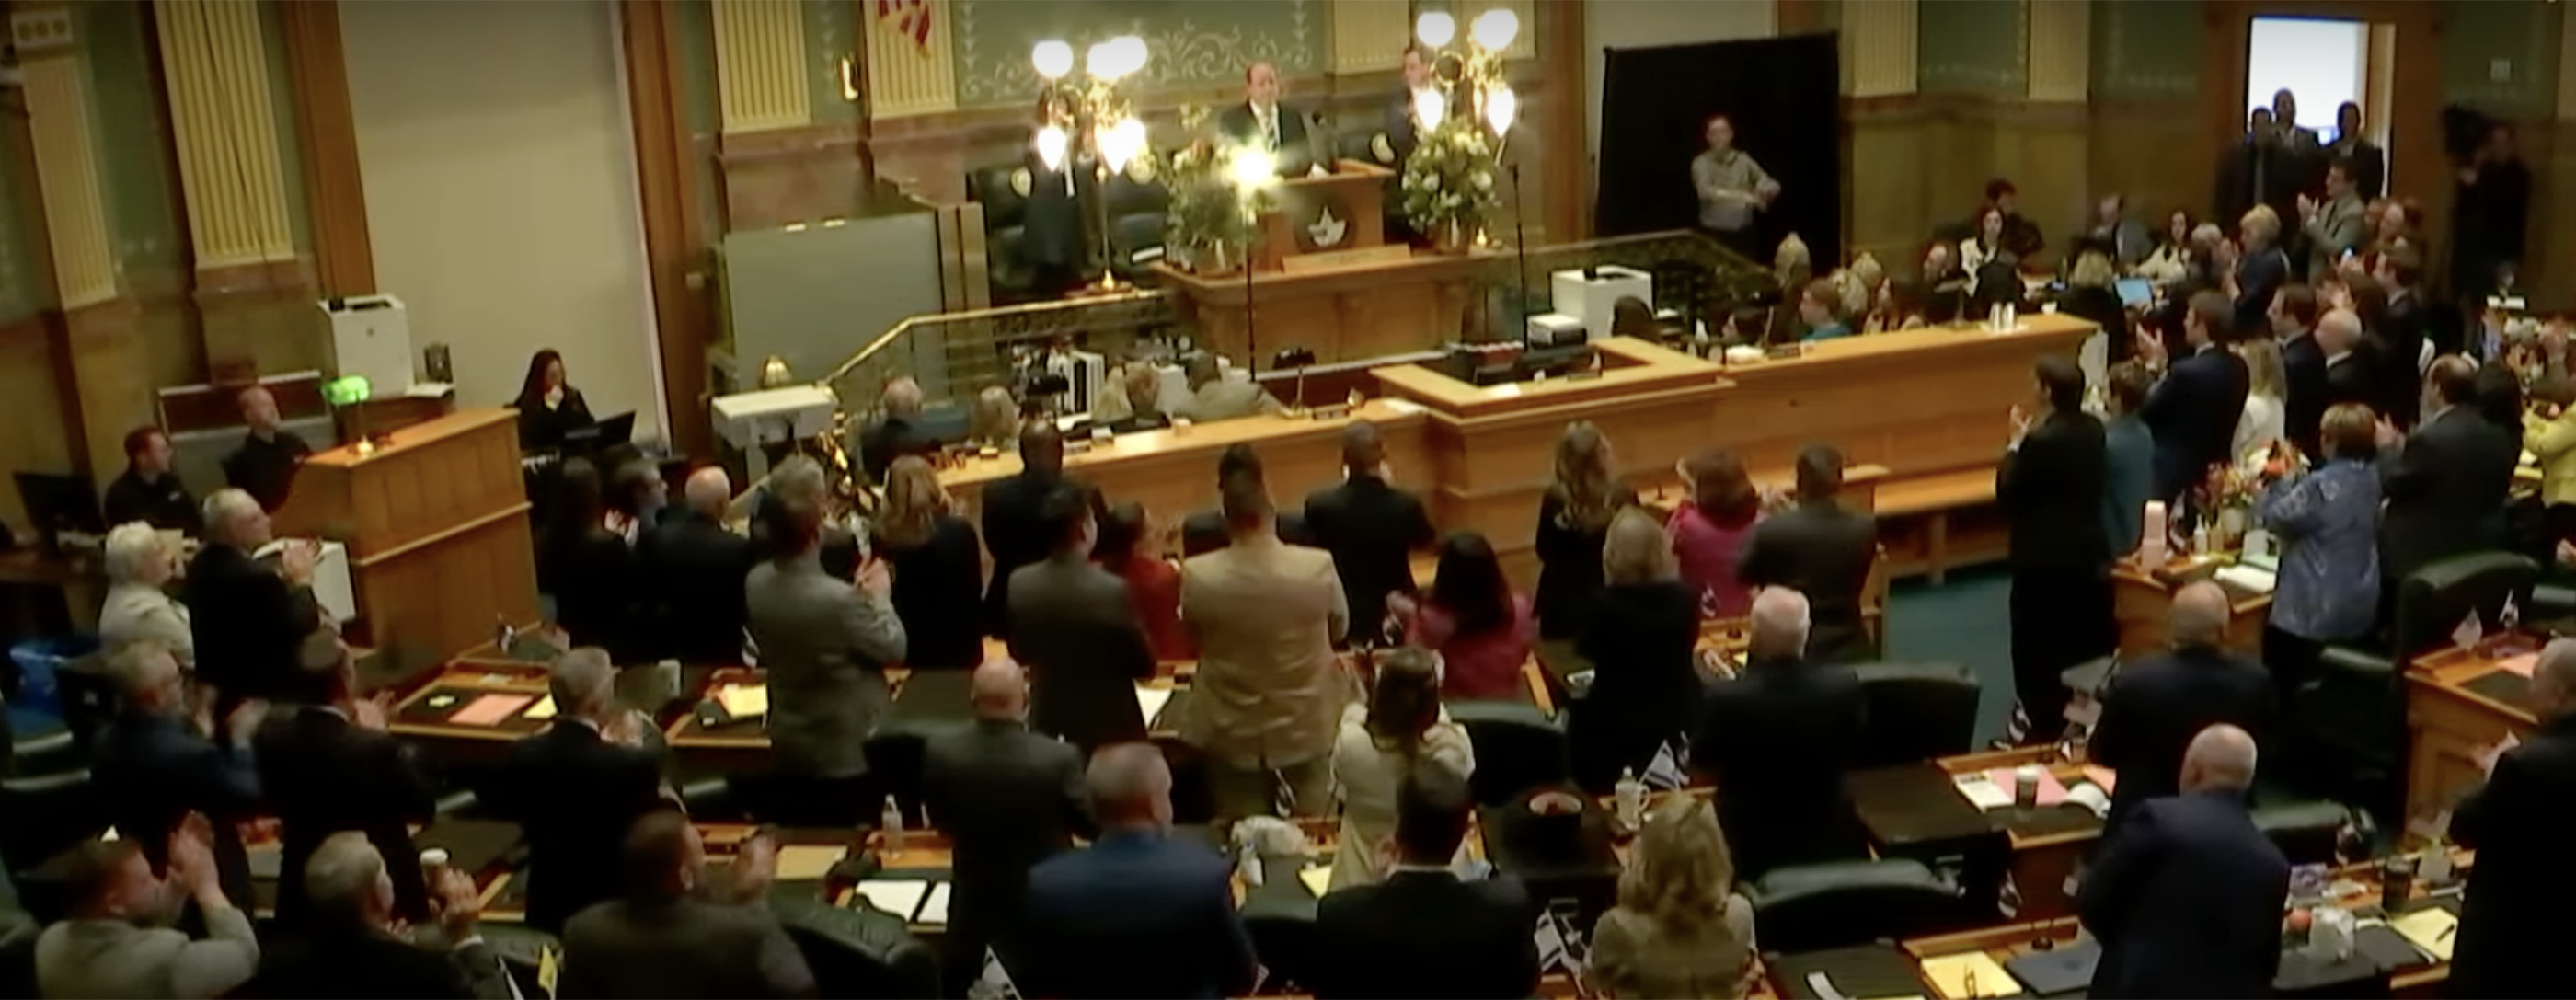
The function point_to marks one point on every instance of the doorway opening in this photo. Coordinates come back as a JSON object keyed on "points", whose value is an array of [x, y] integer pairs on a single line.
{"points": [[2324, 62]]}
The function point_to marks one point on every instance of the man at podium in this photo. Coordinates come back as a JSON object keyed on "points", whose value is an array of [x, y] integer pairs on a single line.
{"points": [[1264, 122]]}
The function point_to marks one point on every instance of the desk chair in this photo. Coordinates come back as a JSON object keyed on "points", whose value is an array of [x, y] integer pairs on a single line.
{"points": [[521, 949], [1917, 711], [858, 953], [2306, 832], [48, 813], [1518, 748], [1840, 903]]}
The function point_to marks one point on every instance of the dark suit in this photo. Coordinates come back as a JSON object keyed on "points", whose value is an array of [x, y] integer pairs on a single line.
{"points": [[265, 469], [1294, 155], [2445, 489], [594, 581], [2303, 376], [1642, 641], [2156, 706], [1016, 536], [2051, 491], [163, 503], [1073, 625], [2186, 901], [1426, 934], [2511, 919], [573, 795], [1134, 915], [2258, 275], [2401, 338], [247, 622], [324, 774], [152, 771], [2369, 165], [1823, 550], [936, 584], [887, 439], [1372, 529], [2193, 411], [696, 568], [359, 962], [1569, 566], [1778, 739], [644, 948], [2353, 378], [1008, 799], [541, 428]]}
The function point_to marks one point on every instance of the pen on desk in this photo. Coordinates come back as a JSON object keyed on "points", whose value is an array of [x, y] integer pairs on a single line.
{"points": [[2446, 934]]}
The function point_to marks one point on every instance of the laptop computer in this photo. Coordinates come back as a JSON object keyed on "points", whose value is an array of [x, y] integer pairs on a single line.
{"points": [[56, 504], [616, 430], [2136, 293]]}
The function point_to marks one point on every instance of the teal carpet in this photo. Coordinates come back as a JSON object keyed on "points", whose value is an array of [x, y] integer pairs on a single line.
{"points": [[1966, 620]]}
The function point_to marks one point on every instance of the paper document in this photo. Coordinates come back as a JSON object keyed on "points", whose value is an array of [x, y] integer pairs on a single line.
{"points": [[544, 709], [744, 701], [2250, 579], [2051, 790], [898, 897], [1982, 792], [934, 909], [2430, 929], [2103, 776], [1318, 879], [1150, 700], [808, 862], [1964, 977], [2520, 664], [490, 709]]}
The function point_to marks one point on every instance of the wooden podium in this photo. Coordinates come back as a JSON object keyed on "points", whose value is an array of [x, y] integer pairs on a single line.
{"points": [[1340, 211], [436, 522]]}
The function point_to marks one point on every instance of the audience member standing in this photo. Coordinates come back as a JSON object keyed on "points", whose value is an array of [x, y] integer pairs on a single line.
{"points": [[1007, 798], [2492, 209], [2510, 943], [356, 946], [149, 490], [2243, 169], [1643, 647], [679, 933], [1573, 520], [2328, 522], [896, 432], [1371, 528], [2128, 459], [696, 568], [2186, 896], [1139, 913], [1125, 549], [1680, 929], [2303, 364], [825, 645], [118, 941], [2369, 163], [1481, 629], [1425, 932], [2261, 422], [1014, 531], [137, 609], [1268, 694], [576, 788], [249, 618], [1822, 549], [2261, 269], [1778, 738], [2351, 376], [2447, 481], [2401, 375], [1710, 528], [153, 768], [2050, 486], [1204, 531], [331, 767], [2195, 408], [1074, 625], [1402, 726], [2155, 706], [587, 568], [265, 464], [2333, 227], [937, 565]]}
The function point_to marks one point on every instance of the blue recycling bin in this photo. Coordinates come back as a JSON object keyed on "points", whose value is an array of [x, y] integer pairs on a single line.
{"points": [[40, 662]]}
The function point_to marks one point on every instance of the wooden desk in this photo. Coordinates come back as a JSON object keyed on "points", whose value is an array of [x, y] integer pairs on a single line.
{"points": [[2142, 600], [34, 579], [1353, 313], [2043, 846], [2458, 704]]}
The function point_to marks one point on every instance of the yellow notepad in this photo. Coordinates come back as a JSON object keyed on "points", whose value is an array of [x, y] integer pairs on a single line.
{"points": [[2429, 929], [1317, 879], [544, 709], [1964, 977], [744, 701], [807, 862], [549, 968]]}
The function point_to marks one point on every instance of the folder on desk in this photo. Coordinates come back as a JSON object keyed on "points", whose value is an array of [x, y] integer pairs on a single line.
{"points": [[2430, 929], [491, 709], [544, 709], [901, 897], [2065, 969], [1969, 976], [934, 908], [744, 701]]}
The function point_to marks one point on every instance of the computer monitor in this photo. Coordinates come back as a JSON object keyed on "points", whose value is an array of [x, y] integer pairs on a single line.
{"points": [[56, 504], [616, 430], [2136, 293]]}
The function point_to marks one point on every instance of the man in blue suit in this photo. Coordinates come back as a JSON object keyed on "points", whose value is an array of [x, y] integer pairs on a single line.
{"points": [[2157, 706], [153, 767], [1138, 914], [2186, 897], [2194, 408]]}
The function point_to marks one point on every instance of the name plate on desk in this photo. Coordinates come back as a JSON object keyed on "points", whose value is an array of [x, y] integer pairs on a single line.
{"points": [[1334, 260]]}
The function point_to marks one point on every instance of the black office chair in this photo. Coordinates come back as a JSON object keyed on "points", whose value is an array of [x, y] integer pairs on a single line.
{"points": [[1003, 191], [932, 702], [1838, 903], [2306, 832], [1518, 748], [521, 949], [858, 952], [48, 814], [1917, 711]]}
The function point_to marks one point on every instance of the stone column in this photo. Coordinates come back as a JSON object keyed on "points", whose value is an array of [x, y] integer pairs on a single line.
{"points": [[760, 59]]}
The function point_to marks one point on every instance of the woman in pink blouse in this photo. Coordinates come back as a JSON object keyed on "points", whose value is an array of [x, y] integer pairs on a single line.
{"points": [[1481, 629], [1710, 528]]}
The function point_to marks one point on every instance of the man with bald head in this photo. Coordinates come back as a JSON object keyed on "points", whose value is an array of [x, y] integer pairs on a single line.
{"points": [[264, 466], [2155, 706], [1140, 913], [1016, 529], [2510, 919], [2446, 483], [575, 788], [694, 570], [1371, 528], [1778, 738], [2186, 896], [2351, 374], [1007, 798]]}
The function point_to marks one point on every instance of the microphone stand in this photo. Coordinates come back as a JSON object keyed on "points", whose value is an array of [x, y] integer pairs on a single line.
{"points": [[1520, 244]]}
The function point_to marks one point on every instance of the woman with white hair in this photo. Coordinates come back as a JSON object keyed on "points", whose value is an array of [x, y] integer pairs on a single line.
{"points": [[139, 564]]}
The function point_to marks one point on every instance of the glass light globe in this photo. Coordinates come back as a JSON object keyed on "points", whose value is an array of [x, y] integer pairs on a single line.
{"points": [[1052, 59], [1130, 51], [1501, 106], [1429, 107], [1252, 166], [1120, 143], [1051, 144], [1435, 28], [1495, 29]]}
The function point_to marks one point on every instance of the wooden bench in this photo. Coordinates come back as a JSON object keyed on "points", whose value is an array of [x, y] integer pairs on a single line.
{"points": [[1930, 522]]}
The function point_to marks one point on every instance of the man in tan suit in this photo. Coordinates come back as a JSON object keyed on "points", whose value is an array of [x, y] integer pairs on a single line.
{"points": [[1268, 695]]}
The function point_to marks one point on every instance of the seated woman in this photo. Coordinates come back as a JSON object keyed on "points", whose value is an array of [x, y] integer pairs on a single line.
{"points": [[2328, 523], [1143, 383], [1402, 723], [1820, 311], [2171, 258], [995, 421], [549, 407], [1125, 549], [1680, 929], [1481, 629], [1709, 530], [938, 568], [137, 610], [1641, 642]]}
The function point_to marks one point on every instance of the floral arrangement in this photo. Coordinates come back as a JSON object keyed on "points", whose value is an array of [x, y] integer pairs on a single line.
{"points": [[1449, 185], [1208, 217]]}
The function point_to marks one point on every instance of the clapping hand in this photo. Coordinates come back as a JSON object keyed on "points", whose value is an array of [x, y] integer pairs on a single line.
{"points": [[2487, 758], [2385, 434], [455, 903], [297, 559], [2151, 347], [875, 579], [755, 866]]}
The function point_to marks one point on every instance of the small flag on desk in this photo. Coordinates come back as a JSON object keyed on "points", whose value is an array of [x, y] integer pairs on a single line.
{"points": [[2008, 897], [2470, 631], [1559, 947], [1664, 773], [994, 983]]}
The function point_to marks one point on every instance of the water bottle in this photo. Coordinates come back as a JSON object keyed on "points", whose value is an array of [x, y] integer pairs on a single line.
{"points": [[891, 824], [1630, 798]]}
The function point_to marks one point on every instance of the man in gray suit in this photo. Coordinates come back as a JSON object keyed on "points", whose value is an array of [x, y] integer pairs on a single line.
{"points": [[118, 941], [1214, 397], [825, 645], [1008, 799], [676, 934], [1073, 624]]}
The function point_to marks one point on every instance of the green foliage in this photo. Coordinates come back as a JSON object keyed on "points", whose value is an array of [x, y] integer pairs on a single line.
{"points": [[1450, 178]]}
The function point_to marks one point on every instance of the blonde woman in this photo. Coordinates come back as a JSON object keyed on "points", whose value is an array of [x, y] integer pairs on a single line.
{"points": [[139, 564], [1573, 520], [1377, 746], [2261, 268], [1644, 629], [995, 422], [938, 569], [2263, 420], [1680, 930]]}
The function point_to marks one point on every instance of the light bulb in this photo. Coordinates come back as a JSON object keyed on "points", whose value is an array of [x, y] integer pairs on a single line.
{"points": [[1119, 143], [1495, 29], [1429, 107], [1131, 54], [1052, 59], [1500, 107], [1051, 143], [1101, 62], [1252, 166], [1435, 28]]}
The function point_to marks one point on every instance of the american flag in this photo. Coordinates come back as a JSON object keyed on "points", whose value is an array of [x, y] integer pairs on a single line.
{"points": [[911, 17]]}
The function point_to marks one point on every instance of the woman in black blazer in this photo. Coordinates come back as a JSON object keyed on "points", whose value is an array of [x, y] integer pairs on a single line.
{"points": [[588, 570], [1640, 640], [938, 568], [2090, 296], [1573, 518], [548, 404]]}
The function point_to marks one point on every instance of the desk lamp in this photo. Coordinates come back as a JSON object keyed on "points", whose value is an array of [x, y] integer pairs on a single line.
{"points": [[349, 393]]}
